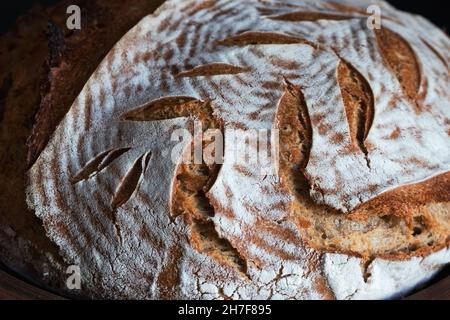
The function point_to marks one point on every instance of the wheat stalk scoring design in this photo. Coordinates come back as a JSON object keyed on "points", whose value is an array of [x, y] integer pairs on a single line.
{"points": [[345, 100]]}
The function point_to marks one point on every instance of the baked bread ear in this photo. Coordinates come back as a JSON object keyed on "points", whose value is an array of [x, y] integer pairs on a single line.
{"points": [[364, 156]]}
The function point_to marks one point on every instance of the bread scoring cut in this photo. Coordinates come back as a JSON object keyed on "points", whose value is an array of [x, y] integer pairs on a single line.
{"points": [[357, 135]]}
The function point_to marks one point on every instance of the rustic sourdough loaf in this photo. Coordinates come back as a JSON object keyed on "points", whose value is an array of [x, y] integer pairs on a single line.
{"points": [[360, 208]]}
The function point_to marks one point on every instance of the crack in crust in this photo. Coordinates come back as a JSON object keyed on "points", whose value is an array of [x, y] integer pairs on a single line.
{"points": [[206, 239], [413, 232], [192, 181]]}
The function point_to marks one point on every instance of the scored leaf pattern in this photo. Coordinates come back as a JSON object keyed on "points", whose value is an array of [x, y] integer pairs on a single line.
{"points": [[359, 104], [191, 184], [401, 59], [192, 181], [165, 108], [130, 181], [294, 124], [97, 164], [309, 16], [262, 38], [212, 69]]}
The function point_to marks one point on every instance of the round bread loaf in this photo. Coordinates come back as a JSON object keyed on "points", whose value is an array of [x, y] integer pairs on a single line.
{"points": [[44, 67], [359, 204]]}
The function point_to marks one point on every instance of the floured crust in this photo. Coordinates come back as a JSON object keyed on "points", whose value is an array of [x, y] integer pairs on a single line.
{"points": [[34, 79], [68, 50], [361, 146]]}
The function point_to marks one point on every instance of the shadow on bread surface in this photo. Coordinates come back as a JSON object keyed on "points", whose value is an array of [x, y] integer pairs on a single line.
{"points": [[360, 205]]}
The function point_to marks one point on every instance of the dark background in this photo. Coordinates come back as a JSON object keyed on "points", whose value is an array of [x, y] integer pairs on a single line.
{"points": [[434, 10]]}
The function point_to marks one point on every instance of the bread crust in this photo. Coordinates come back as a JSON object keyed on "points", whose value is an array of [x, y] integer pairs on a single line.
{"points": [[293, 213], [46, 66]]}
